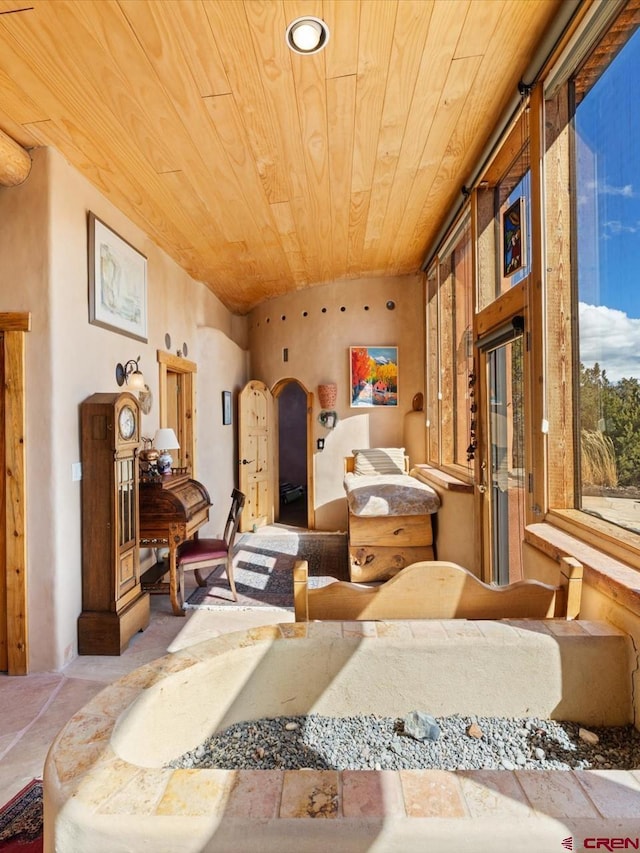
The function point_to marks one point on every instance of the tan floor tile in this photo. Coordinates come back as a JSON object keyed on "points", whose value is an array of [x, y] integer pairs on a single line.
{"points": [[310, 793], [22, 699], [196, 792], [359, 629], [432, 793], [556, 794], [566, 628], [493, 792], [615, 793], [367, 793], [397, 630], [497, 630], [255, 795], [527, 626], [427, 628], [462, 629], [600, 629]]}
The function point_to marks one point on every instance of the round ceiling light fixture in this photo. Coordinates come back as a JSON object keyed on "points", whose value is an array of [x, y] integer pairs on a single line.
{"points": [[307, 35]]}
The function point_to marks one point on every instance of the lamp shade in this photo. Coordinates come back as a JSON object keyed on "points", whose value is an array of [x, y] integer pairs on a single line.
{"points": [[165, 439], [135, 381]]}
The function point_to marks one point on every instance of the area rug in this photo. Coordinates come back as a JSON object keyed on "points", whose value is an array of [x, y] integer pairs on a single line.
{"points": [[263, 570], [21, 821]]}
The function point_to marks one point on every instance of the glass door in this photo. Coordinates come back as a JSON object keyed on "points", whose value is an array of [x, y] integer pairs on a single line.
{"points": [[505, 484]]}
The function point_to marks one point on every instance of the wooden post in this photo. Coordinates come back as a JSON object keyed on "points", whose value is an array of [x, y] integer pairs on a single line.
{"points": [[15, 162], [571, 581], [301, 591]]}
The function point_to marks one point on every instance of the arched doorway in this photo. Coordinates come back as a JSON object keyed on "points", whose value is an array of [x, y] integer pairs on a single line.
{"points": [[294, 467]]}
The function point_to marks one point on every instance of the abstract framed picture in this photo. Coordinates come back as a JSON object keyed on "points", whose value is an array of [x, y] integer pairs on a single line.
{"points": [[513, 238], [373, 374], [117, 282], [226, 408]]}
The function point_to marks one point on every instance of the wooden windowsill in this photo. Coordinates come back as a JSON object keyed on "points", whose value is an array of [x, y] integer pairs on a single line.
{"points": [[611, 576], [435, 477]]}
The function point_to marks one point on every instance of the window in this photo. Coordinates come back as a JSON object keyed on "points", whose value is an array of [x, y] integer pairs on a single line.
{"points": [[606, 211], [450, 351]]}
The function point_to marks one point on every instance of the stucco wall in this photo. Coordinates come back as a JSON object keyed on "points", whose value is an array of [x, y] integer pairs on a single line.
{"points": [[317, 326], [43, 269]]}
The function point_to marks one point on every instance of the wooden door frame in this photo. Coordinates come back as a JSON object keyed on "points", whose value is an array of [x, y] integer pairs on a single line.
{"points": [[13, 326], [276, 390], [169, 363]]}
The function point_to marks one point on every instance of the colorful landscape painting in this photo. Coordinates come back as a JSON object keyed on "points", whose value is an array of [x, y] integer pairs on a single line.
{"points": [[374, 376]]}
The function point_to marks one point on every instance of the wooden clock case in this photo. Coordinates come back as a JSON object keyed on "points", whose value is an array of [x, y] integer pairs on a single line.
{"points": [[114, 607]]}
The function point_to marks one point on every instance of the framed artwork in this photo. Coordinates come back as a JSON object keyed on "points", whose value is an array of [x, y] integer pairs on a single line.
{"points": [[513, 238], [117, 282], [226, 407], [373, 374]]}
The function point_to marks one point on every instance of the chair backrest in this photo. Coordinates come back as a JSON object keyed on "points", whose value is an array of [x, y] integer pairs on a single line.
{"points": [[233, 519]]}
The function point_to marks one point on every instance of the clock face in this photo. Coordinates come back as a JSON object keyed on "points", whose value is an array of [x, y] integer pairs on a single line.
{"points": [[127, 422]]}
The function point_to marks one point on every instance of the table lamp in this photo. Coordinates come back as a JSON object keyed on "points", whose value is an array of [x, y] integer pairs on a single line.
{"points": [[165, 440]]}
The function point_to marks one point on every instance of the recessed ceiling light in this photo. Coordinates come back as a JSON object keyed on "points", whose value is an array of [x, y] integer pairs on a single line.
{"points": [[307, 35]]}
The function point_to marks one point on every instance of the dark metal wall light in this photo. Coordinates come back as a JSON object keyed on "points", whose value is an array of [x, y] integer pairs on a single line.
{"points": [[307, 35], [130, 374]]}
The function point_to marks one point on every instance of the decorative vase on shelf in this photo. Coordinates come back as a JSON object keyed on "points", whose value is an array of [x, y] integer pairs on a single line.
{"points": [[327, 395]]}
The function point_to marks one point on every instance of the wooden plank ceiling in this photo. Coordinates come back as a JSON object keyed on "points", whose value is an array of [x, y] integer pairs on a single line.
{"points": [[258, 170]]}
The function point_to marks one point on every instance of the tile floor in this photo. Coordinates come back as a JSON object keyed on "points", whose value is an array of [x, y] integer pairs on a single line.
{"points": [[34, 708]]}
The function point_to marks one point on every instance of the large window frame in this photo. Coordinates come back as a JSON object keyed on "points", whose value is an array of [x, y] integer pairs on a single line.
{"points": [[546, 295], [561, 315], [449, 324]]}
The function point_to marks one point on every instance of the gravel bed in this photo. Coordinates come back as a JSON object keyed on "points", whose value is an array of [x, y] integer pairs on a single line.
{"points": [[380, 743]]}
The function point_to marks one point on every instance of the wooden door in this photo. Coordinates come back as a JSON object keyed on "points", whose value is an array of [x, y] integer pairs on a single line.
{"points": [[4, 657], [178, 406], [13, 539], [255, 449]]}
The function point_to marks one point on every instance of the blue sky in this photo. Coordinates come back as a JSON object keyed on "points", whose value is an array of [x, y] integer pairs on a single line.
{"points": [[608, 126]]}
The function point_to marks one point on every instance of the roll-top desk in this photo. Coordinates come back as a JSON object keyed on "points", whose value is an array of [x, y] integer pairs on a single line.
{"points": [[172, 508]]}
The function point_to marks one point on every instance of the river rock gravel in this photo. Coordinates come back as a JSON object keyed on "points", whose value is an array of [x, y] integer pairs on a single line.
{"points": [[369, 742]]}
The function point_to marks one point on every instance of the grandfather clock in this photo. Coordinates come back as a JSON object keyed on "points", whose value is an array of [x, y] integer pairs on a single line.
{"points": [[114, 607]]}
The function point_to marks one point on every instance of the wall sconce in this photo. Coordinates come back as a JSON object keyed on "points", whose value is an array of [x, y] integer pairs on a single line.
{"points": [[165, 440], [130, 373]]}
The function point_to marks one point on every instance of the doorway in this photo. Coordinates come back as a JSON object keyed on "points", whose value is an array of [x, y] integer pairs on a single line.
{"points": [[294, 475], [177, 406]]}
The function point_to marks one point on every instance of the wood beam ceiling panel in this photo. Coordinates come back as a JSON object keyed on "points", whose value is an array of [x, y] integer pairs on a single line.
{"points": [[217, 130], [84, 134], [229, 23], [475, 124], [198, 46], [411, 29], [343, 20], [377, 24], [445, 26], [258, 170], [454, 96], [341, 101], [311, 98]]}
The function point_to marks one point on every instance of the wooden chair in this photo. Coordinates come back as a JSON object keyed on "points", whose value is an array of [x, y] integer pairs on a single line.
{"points": [[196, 554]]}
